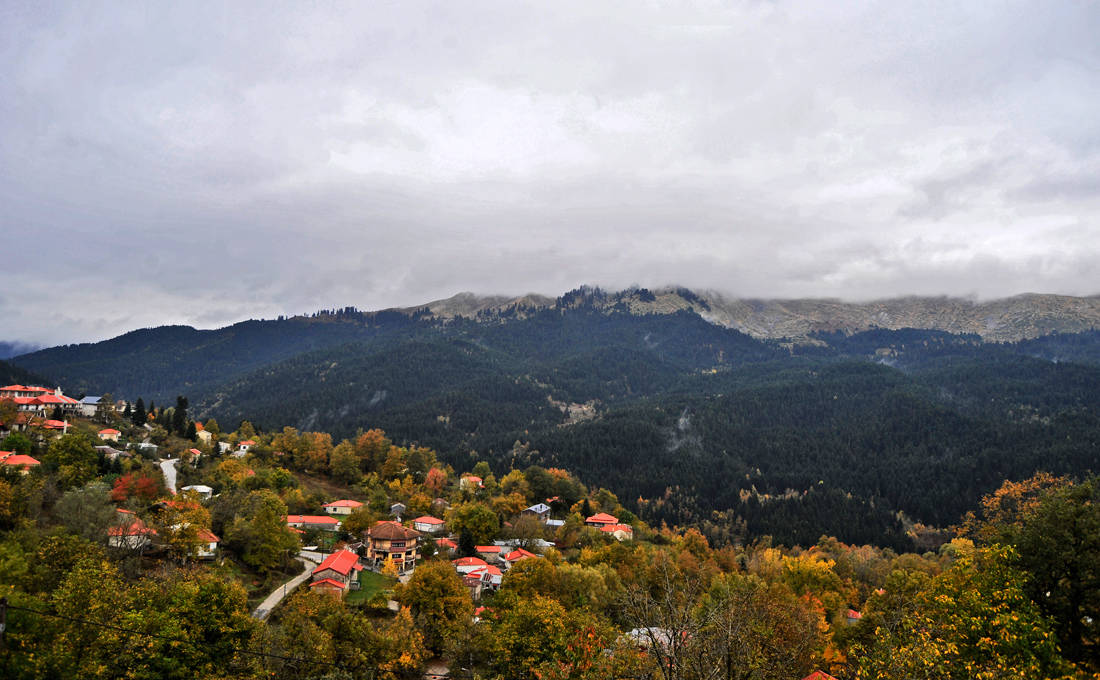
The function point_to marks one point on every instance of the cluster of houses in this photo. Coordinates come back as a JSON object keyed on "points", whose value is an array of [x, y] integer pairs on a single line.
{"points": [[38, 400], [131, 533], [390, 541]]}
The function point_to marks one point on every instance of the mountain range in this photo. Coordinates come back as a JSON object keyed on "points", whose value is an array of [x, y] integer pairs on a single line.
{"points": [[786, 418]]}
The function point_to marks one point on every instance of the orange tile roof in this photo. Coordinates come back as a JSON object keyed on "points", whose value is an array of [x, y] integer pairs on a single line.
{"points": [[345, 503], [19, 459], [602, 518], [469, 562], [341, 561], [312, 519], [328, 582]]}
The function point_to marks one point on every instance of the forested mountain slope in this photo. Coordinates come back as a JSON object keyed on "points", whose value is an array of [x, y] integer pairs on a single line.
{"points": [[687, 420]]}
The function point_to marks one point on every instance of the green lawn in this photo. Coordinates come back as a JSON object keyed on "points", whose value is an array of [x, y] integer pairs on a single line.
{"points": [[371, 583]]}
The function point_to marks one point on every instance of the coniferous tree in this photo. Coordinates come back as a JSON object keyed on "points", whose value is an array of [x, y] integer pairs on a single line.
{"points": [[179, 416], [466, 545], [138, 415]]}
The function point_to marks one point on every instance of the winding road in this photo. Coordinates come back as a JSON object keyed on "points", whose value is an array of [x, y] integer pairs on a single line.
{"points": [[168, 467], [272, 600]]}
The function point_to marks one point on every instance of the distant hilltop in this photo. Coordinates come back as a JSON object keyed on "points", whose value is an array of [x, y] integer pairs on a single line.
{"points": [[1005, 320]]}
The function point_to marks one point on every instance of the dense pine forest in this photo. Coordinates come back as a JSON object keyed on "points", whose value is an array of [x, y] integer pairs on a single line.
{"points": [[873, 436]]}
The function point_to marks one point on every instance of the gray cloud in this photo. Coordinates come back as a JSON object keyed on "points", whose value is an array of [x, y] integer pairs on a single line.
{"points": [[202, 163]]}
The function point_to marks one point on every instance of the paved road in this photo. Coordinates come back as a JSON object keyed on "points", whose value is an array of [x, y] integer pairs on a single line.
{"points": [[276, 597], [169, 468]]}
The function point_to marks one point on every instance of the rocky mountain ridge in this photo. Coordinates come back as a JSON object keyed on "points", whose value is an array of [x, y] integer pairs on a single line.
{"points": [[1004, 320]]}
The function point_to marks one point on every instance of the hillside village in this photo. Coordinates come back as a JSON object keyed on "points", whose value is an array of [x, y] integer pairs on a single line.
{"points": [[363, 554]]}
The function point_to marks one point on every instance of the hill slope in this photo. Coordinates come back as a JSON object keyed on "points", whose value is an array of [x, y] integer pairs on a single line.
{"points": [[643, 393]]}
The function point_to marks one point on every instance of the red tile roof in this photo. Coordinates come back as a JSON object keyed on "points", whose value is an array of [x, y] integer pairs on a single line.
{"points": [[602, 518], [487, 569], [341, 561], [328, 582], [428, 519], [489, 549], [138, 528], [853, 614], [54, 425], [247, 442], [18, 459], [109, 431], [612, 528], [446, 543], [469, 562], [342, 504], [518, 554], [207, 536], [312, 519]]}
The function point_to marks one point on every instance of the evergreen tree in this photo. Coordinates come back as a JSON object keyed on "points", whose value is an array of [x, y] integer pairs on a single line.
{"points": [[466, 545], [179, 416], [138, 415]]}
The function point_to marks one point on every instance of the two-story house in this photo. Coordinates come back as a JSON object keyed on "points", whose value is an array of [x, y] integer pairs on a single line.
{"points": [[390, 540]]}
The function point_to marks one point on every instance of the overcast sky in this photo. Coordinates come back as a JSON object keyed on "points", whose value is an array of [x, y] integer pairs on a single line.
{"points": [[212, 162]]}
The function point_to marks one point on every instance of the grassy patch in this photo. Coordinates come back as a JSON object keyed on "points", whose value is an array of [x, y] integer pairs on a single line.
{"points": [[370, 584]]}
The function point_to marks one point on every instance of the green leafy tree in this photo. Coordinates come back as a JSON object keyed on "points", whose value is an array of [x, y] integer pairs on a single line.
{"points": [[74, 458], [88, 512], [757, 630], [974, 621], [18, 443], [345, 463], [1058, 547], [474, 519], [440, 604], [259, 533]]}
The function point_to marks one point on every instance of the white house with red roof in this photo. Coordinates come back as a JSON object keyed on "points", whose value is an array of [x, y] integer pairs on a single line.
{"points": [[338, 573], [130, 532], [446, 544], [313, 522], [621, 532], [470, 482], [109, 434], [428, 524], [490, 576], [464, 565], [208, 547], [341, 507]]}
